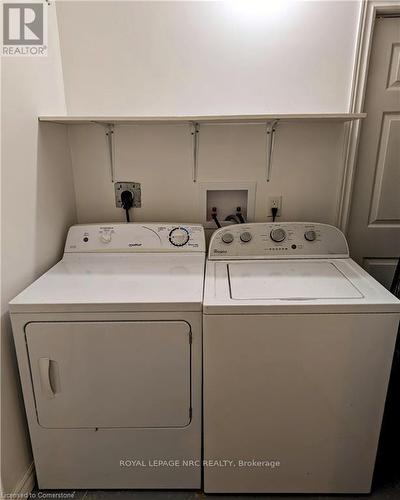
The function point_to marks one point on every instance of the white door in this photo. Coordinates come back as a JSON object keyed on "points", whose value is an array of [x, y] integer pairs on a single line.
{"points": [[374, 231], [110, 374]]}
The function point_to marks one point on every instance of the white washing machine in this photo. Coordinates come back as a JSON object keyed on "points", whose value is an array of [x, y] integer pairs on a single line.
{"points": [[297, 349], [109, 351]]}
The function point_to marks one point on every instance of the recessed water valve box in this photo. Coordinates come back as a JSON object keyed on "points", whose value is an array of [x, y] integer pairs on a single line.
{"points": [[226, 197], [133, 187]]}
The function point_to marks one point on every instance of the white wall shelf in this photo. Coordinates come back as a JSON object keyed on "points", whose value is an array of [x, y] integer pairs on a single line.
{"points": [[216, 119], [270, 121]]}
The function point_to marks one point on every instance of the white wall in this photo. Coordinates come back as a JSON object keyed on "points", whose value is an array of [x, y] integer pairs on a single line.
{"points": [[306, 169], [239, 56], [37, 207], [156, 58]]}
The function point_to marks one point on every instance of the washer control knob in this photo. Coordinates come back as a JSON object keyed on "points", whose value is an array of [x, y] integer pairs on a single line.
{"points": [[179, 236], [310, 235], [227, 238], [105, 236], [278, 235], [245, 237]]}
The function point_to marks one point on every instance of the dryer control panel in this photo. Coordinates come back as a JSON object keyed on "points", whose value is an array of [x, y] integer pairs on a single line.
{"points": [[135, 238], [278, 240]]}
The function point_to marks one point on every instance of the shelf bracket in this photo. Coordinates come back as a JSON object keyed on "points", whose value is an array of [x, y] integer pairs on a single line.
{"points": [[270, 136], [111, 148], [109, 131], [195, 133]]}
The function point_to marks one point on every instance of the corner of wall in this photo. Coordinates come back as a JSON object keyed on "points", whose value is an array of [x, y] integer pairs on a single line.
{"points": [[30, 87]]}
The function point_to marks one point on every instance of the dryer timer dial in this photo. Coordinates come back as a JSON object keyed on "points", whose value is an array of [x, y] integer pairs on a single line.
{"points": [[178, 236]]}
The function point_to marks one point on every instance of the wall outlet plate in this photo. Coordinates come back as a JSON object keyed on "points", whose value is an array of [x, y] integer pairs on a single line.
{"points": [[275, 202], [133, 187]]}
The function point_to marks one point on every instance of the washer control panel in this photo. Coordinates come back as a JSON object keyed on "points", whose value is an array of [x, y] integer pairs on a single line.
{"points": [[278, 240], [135, 238]]}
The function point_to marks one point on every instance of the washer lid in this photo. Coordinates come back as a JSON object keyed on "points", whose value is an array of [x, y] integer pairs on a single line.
{"points": [[290, 280]]}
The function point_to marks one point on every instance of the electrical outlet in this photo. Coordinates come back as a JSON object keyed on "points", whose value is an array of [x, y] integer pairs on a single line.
{"points": [[275, 202], [133, 187]]}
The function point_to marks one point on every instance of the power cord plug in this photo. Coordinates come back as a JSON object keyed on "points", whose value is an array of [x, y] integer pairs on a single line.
{"points": [[274, 212], [127, 203]]}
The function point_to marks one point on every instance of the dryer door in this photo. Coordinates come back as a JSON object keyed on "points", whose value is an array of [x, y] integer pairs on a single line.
{"points": [[111, 374]]}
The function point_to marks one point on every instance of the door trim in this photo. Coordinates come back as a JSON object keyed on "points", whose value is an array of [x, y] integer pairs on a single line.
{"points": [[369, 10]]}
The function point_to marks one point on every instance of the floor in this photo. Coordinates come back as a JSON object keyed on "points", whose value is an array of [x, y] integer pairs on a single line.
{"points": [[387, 492], [383, 490]]}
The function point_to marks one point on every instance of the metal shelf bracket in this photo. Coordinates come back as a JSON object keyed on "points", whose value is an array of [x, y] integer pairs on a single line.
{"points": [[111, 148], [270, 142], [109, 131], [195, 133]]}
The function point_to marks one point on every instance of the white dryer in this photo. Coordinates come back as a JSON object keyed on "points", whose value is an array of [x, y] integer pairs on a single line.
{"points": [[298, 343], [109, 351]]}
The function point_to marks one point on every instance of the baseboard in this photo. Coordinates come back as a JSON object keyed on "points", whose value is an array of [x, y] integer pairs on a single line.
{"points": [[26, 484]]}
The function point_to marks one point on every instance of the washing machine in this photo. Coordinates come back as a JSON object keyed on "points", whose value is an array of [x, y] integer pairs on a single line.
{"points": [[109, 346], [298, 343]]}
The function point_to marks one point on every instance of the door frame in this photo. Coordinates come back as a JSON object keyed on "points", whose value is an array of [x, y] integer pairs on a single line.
{"points": [[369, 10]]}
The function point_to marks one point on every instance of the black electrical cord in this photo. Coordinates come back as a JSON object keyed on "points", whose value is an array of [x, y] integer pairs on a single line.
{"points": [[127, 203], [274, 211]]}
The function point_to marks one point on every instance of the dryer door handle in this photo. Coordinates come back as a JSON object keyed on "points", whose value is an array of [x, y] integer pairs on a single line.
{"points": [[45, 380]]}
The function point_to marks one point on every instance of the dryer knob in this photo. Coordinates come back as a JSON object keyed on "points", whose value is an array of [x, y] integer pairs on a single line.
{"points": [[227, 238], [278, 235], [105, 236], [179, 236]]}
